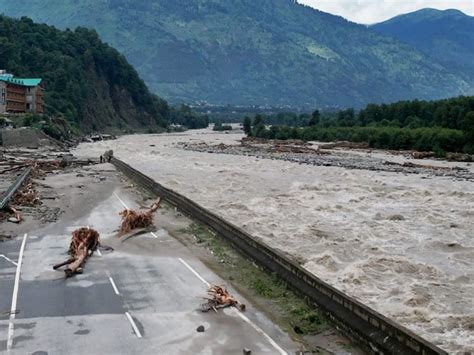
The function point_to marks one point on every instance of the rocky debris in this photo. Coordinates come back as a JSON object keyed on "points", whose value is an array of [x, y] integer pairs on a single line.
{"points": [[66, 160], [344, 144], [460, 157], [49, 215], [108, 155], [247, 351], [27, 196], [255, 140], [422, 155], [274, 150], [200, 329]]}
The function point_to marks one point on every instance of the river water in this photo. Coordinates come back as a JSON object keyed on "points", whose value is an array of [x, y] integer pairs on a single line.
{"points": [[401, 243]]}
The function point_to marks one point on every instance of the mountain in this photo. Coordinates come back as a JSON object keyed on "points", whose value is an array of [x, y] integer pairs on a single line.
{"points": [[447, 36], [243, 52], [87, 82]]}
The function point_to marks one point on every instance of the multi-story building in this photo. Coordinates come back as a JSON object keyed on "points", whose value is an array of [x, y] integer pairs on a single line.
{"points": [[20, 95]]}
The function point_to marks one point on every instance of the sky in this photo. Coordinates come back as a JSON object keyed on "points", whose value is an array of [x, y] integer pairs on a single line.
{"points": [[373, 11]]}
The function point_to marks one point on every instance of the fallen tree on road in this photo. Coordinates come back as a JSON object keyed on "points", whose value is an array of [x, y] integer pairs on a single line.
{"points": [[83, 244], [132, 219], [218, 298]]}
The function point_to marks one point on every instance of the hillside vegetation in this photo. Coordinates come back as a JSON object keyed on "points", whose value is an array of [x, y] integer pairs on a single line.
{"points": [[447, 36], [440, 126], [265, 52], [87, 82]]}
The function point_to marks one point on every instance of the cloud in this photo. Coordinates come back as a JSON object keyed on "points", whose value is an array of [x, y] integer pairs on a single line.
{"points": [[372, 11]]}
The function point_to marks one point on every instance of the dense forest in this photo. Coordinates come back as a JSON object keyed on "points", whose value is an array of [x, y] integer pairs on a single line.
{"points": [[87, 82], [440, 126], [185, 116]]}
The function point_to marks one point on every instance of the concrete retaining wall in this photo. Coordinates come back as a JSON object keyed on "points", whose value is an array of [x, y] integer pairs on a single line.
{"points": [[25, 137]]}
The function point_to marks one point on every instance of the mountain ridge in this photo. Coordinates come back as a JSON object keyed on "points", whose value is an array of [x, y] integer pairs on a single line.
{"points": [[445, 35], [243, 52]]}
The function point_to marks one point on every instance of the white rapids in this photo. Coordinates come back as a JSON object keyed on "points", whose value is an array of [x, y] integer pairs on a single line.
{"points": [[401, 243]]}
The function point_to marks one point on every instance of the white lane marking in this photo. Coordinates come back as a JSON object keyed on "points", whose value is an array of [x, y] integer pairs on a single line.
{"points": [[134, 326], [194, 272], [8, 259], [153, 234], [114, 286], [13, 310], [244, 318], [260, 330], [121, 201]]}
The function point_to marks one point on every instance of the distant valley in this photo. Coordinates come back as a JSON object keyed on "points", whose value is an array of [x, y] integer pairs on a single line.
{"points": [[266, 52]]}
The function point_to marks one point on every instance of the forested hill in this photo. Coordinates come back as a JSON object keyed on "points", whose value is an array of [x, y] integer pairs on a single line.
{"points": [[87, 82], [274, 52], [447, 36]]}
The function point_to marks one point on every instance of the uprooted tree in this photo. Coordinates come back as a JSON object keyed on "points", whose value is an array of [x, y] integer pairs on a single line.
{"points": [[219, 297], [83, 244], [132, 219]]}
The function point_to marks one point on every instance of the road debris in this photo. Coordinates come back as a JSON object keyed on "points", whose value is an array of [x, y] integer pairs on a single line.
{"points": [[132, 219], [218, 298], [39, 167], [27, 196], [83, 244], [17, 218]]}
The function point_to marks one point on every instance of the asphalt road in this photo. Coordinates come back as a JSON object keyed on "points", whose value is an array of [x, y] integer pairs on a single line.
{"points": [[141, 298]]}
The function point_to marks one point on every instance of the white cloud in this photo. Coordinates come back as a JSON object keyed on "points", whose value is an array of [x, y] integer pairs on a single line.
{"points": [[372, 11]]}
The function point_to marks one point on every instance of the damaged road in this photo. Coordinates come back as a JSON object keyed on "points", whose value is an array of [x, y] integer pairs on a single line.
{"points": [[140, 296]]}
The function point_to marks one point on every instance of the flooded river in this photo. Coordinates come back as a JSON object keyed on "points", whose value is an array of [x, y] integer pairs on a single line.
{"points": [[400, 243]]}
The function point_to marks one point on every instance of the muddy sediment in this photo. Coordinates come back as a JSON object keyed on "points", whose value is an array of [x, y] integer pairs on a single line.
{"points": [[397, 237]]}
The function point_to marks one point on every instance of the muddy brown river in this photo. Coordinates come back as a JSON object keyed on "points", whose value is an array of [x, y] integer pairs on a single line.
{"points": [[401, 243]]}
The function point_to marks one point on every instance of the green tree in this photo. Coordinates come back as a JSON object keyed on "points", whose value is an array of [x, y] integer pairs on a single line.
{"points": [[259, 126], [315, 118], [247, 126], [257, 120], [468, 127]]}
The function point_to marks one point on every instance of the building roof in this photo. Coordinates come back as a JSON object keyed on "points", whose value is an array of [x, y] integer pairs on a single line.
{"points": [[20, 81]]}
